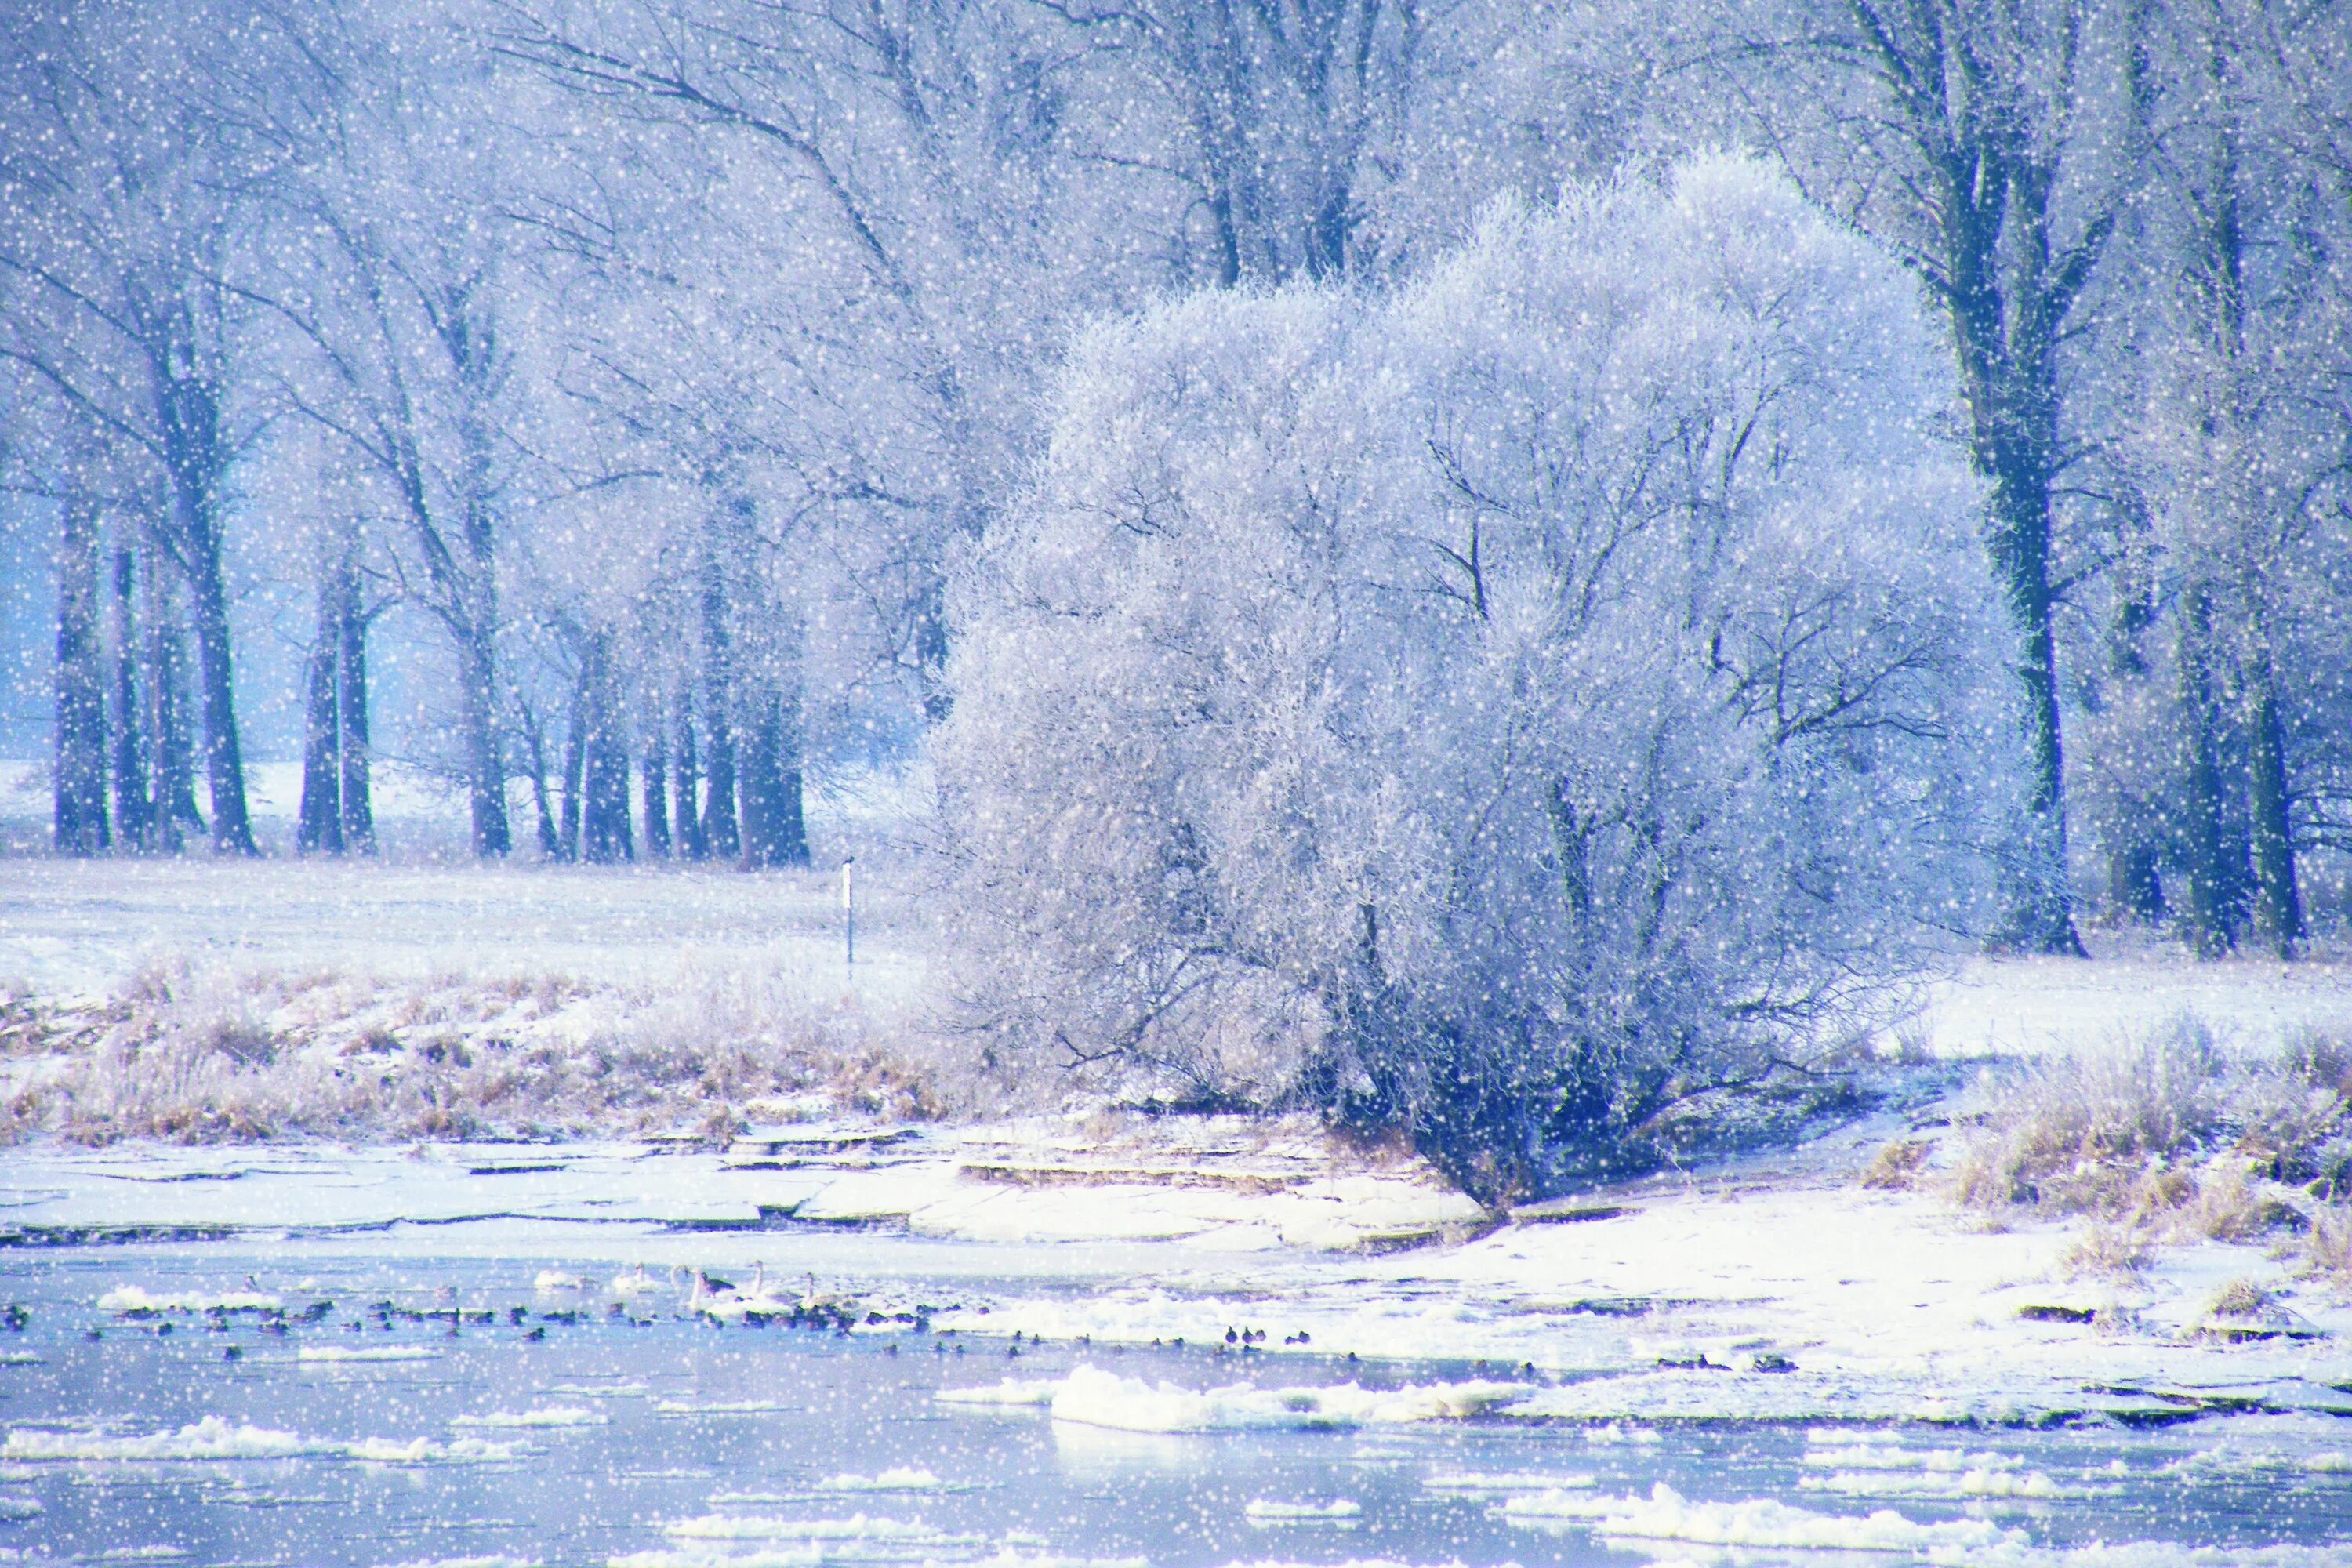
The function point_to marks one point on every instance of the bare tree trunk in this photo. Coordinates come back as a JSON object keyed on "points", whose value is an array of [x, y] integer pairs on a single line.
{"points": [[319, 825], [773, 831], [2278, 899], [486, 776], [718, 834], [81, 823], [575, 764], [172, 754], [654, 776], [534, 734], [134, 812], [2136, 853], [604, 762], [2213, 883], [216, 678], [691, 844], [351, 711]]}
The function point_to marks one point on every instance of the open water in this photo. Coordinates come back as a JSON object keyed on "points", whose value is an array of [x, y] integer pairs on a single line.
{"points": [[555, 1433]]}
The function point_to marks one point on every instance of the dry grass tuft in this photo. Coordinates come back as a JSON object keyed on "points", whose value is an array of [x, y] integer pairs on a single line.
{"points": [[2075, 1132], [2329, 1249], [2240, 1300], [1898, 1165], [2107, 1252]]}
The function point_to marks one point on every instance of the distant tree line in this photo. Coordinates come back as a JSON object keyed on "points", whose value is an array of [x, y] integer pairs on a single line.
{"points": [[666, 367]]}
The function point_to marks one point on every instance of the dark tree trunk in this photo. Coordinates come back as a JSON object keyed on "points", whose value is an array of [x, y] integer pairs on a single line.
{"points": [[575, 765], [534, 734], [654, 766], [2213, 882], [486, 775], [718, 834], [134, 812], [80, 822], [172, 753], [2278, 901], [318, 826], [217, 680], [604, 763], [691, 844], [351, 711], [2135, 855], [773, 830]]}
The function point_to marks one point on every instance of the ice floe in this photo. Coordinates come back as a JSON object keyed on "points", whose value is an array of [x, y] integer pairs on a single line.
{"points": [[1265, 1511], [426, 1452], [18, 1507], [129, 1299], [721, 1407], [209, 1439], [1090, 1397], [2024, 1485], [212, 1439], [601, 1390], [1667, 1515], [903, 1478], [1012, 1391], [550, 1415], [857, 1527], [318, 1355], [1520, 1481]]}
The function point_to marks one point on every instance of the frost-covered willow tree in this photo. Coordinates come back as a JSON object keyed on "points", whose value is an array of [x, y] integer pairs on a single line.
{"points": [[1505, 711]]}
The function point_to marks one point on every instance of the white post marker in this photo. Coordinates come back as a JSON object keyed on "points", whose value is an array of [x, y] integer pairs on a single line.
{"points": [[848, 916]]}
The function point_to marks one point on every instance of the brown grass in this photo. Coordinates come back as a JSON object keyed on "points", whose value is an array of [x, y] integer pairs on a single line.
{"points": [[192, 1057]]}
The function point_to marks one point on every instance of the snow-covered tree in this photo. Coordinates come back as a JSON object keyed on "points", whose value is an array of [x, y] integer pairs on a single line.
{"points": [[1508, 710]]}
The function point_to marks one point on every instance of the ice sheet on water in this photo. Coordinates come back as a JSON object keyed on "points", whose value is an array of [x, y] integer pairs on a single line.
{"points": [[321, 1355], [721, 1407], [550, 1415], [469, 1563], [19, 1358], [1667, 1515], [17, 1508]]}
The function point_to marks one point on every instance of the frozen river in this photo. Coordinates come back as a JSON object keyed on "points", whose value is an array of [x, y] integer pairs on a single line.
{"points": [[548, 1429]]}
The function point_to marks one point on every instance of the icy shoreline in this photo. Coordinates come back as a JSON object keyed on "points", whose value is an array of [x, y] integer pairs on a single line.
{"points": [[1792, 1297]]}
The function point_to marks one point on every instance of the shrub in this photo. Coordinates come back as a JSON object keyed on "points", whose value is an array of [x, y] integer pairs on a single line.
{"points": [[1505, 712]]}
